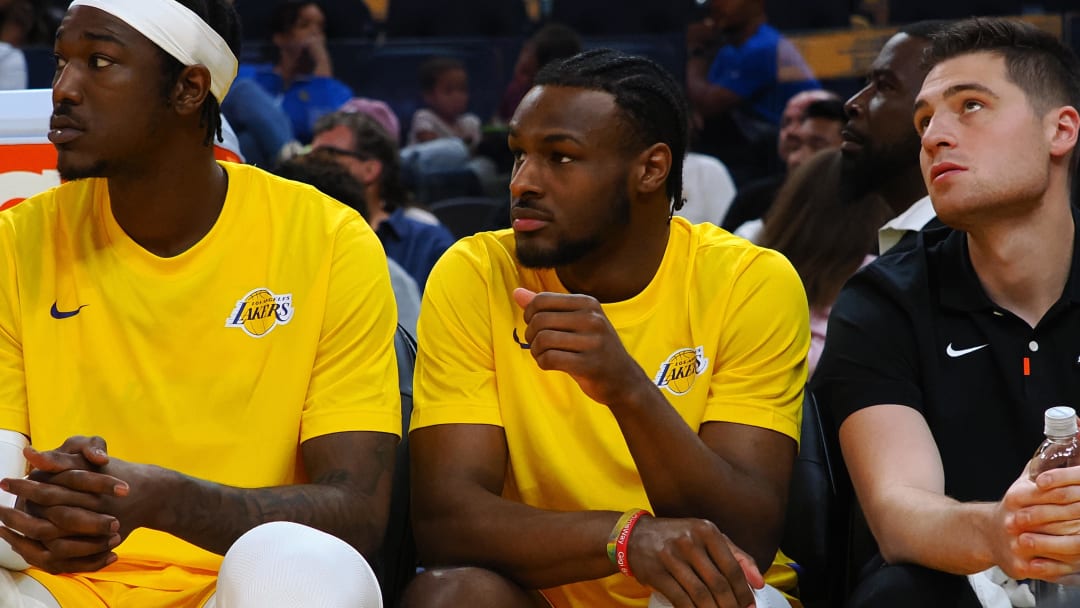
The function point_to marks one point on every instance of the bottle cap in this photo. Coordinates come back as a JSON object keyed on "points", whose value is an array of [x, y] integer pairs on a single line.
{"points": [[1059, 421]]}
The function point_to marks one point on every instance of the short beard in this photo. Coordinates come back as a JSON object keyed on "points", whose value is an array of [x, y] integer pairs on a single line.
{"points": [[567, 252], [564, 253], [871, 170], [70, 173]]}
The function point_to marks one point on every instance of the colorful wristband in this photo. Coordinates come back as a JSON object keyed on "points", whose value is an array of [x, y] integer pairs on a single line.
{"points": [[617, 544], [625, 517]]}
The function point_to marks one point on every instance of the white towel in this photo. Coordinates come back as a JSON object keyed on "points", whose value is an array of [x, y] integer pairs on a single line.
{"points": [[995, 589]]}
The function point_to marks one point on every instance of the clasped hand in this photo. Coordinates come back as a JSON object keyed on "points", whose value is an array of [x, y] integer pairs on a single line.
{"points": [[70, 510], [1039, 527]]}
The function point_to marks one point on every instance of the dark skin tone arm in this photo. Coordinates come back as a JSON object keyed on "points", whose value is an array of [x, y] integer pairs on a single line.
{"points": [[79, 503], [732, 476], [460, 518], [707, 98]]}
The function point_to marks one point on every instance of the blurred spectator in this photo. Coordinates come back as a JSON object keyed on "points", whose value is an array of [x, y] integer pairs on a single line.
{"points": [[440, 160], [445, 86], [265, 131], [551, 42], [301, 76], [12, 68], [380, 111], [362, 146], [818, 127], [321, 170], [739, 76], [30, 22], [825, 234], [794, 113], [819, 130], [881, 147]]}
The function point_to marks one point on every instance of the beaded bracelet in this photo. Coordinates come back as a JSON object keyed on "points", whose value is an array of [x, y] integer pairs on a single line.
{"points": [[620, 537]]}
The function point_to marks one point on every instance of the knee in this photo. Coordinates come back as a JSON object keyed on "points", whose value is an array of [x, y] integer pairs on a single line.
{"points": [[283, 564], [451, 588]]}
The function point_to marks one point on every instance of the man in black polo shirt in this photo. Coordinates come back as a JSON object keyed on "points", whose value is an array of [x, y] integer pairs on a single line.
{"points": [[941, 359]]}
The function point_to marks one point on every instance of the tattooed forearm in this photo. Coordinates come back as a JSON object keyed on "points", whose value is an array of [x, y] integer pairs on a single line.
{"points": [[348, 497]]}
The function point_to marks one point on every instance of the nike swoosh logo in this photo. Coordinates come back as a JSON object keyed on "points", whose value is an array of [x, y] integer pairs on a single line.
{"points": [[64, 314], [952, 352]]}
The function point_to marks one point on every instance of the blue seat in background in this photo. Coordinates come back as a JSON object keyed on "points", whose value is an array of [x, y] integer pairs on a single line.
{"points": [[917, 10], [788, 15], [395, 563], [40, 66], [424, 18], [669, 50], [620, 18], [466, 215], [344, 19]]}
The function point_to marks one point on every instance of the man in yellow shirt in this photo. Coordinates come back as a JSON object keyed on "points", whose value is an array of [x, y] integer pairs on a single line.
{"points": [[229, 333], [600, 359]]}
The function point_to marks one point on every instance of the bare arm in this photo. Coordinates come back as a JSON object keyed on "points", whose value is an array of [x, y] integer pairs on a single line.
{"points": [[896, 469], [705, 97], [461, 518], [348, 497], [732, 474]]}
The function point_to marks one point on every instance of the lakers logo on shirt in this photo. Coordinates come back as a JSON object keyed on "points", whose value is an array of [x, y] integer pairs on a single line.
{"points": [[261, 311], [679, 372]]}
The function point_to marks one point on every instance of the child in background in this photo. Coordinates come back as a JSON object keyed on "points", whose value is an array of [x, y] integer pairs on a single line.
{"points": [[446, 92]]}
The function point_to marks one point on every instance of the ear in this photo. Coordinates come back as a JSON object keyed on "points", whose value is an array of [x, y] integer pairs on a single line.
{"points": [[191, 89], [370, 170], [653, 167], [1065, 125]]}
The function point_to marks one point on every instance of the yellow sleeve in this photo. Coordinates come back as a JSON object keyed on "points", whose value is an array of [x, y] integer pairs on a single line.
{"points": [[455, 367], [761, 369], [13, 402], [354, 382]]}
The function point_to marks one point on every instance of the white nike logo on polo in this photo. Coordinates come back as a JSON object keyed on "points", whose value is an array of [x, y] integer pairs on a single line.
{"points": [[952, 352]]}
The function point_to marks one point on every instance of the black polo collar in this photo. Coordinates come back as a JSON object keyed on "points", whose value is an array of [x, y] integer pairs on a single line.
{"points": [[959, 287]]}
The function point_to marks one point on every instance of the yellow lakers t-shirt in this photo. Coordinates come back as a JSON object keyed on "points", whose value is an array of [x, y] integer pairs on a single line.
{"points": [[275, 328], [722, 328]]}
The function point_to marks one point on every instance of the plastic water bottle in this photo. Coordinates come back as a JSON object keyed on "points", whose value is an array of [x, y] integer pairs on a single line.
{"points": [[1060, 449]]}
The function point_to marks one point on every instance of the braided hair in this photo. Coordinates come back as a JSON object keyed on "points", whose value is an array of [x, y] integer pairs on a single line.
{"points": [[649, 98], [222, 17]]}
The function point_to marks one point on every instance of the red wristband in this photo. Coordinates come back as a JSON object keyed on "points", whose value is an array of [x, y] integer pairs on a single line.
{"points": [[622, 559]]}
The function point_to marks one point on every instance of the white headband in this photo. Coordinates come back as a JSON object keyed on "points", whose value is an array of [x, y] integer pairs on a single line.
{"points": [[179, 32]]}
